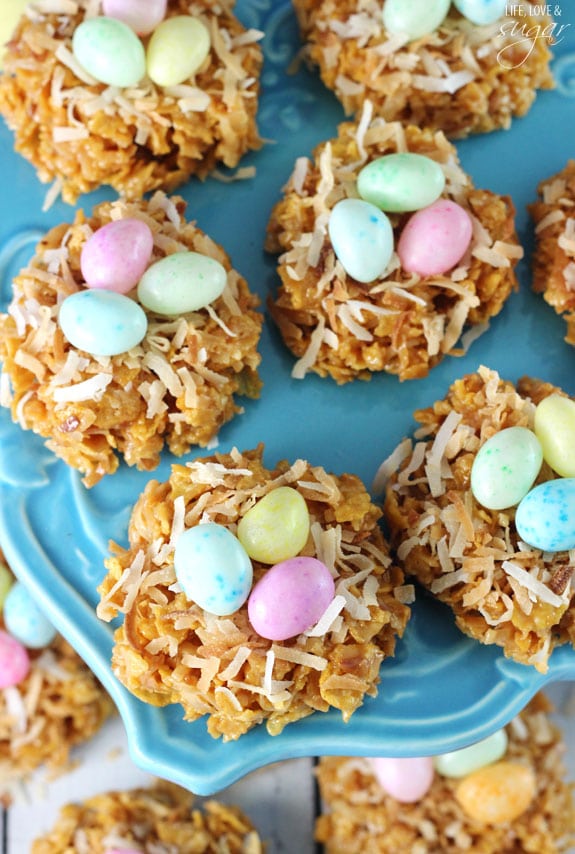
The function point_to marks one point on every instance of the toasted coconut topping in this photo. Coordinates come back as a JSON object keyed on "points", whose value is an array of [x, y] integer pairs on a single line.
{"points": [[501, 590]]}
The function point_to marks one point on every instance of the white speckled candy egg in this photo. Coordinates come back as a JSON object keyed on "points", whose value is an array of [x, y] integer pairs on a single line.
{"points": [[505, 468], [414, 18], [110, 51], [25, 620], [290, 598], [177, 49], [459, 763], [276, 527], [101, 322], [545, 519], [213, 568], [481, 12], [555, 429], [142, 17], [182, 282], [116, 255], [362, 238], [401, 182], [435, 238]]}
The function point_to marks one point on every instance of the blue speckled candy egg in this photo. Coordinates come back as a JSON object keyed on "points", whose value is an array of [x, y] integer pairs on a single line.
{"points": [[213, 568], [481, 12], [182, 282], [505, 468], [545, 519], [414, 18], [102, 323], [362, 238], [110, 51], [25, 620]]}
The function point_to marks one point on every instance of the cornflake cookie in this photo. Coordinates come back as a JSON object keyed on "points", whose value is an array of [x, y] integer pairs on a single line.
{"points": [[359, 816], [58, 705], [501, 590], [159, 818], [554, 255], [401, 323], [81, 134], [169, 649], [175, 389], [461, 78]]}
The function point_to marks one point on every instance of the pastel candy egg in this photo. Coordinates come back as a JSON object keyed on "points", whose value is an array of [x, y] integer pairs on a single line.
{"points": [[9, 16], [6, 582], [290, 598], [277, 527], [545, 518], [123, 851], [497, 793], [405, 779], [213, 568], [182, 282], [362, 238], [143, 18], [505, 468], [415, 18], [435, 238], [101, 322], [481, 12], [459, 763], [110, 51], [116, 255], [177, 49], [25, 620], [401, 182], [555, 429], [14, 661]]}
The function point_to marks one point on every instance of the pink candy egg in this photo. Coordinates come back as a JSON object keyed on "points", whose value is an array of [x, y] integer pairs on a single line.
{"points": [[14, 661], [435, 239], [116, 255], [142, 17], [123, 851], [405, 779], [290, 598]]}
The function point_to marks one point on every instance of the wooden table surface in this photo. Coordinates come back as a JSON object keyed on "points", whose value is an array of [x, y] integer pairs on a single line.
{"points": [[280, 799]]}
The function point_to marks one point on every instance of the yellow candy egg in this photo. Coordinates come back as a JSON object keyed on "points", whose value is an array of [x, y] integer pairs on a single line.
{"points": [[555, 429], [277, 527], [178, 47], [10, 11], [497, 793]]}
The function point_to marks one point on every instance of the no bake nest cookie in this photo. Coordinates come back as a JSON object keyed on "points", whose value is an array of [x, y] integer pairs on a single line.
{"points": [[554, 255], [501, 590], [171, 650], [81, 134], [359, 816], [59, 705], [174, 389], [159, 818], [461, 78], [401, 323]]}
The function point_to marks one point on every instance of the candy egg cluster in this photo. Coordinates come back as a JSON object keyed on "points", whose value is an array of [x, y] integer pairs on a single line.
{"points": [[110, 47], [489, 788], [433, 239], [26, 627], [214, 567], [101, 319], [507, 465], [420, 17]]}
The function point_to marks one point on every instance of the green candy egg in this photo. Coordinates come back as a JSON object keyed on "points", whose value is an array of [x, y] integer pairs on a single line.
{"points": [[110, 51], [505, 468], [459, 763], [178, 47], [6, 582], [401, 182], [414, 18], [182, 282]]}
